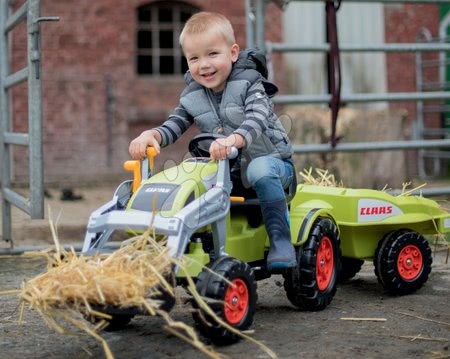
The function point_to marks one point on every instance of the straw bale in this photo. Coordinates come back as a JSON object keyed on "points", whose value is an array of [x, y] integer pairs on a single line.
{"points": [[312, 125], [74, 285], [124, 278]]}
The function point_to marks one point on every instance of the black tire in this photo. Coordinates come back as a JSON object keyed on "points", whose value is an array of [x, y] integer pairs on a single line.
{"points": [[235, 305], [119, 319], [310, 285], [376, 261], [349, 268], [118, 322], [403, 262], [167, 299]]}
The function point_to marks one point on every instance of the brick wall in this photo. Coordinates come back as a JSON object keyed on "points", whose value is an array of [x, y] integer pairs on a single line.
{"points": [[94, 41], [402, 25]]}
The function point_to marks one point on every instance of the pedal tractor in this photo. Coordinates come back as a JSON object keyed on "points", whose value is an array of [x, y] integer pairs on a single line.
{"points": [[333, 230]]}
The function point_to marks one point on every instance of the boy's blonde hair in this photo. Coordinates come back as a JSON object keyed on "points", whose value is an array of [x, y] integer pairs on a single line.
{"points": [[202, 22]]}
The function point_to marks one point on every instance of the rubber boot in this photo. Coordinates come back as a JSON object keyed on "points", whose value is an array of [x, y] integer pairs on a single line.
{"points": [[281, 252]]}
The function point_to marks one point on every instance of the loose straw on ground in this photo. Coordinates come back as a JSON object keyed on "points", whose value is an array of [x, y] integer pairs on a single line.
{"points": [[74, 286], [364, 319]]}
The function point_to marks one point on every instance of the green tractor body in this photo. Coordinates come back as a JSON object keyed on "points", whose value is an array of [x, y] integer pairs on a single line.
{"points": [[334, 230]]}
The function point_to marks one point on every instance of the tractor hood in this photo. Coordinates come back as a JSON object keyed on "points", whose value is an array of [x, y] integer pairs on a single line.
{"points": [[167, 192]]}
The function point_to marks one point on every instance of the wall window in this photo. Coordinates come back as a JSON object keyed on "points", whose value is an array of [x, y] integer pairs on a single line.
{"points": [[158, 28]]}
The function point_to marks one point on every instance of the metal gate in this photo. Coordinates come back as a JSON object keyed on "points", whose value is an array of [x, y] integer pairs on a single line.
{"points": [[29, 12], [256, 37]]}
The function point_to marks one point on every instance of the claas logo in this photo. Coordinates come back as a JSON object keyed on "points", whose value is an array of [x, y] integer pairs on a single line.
{"points": [[373, 210], [367, 211]]}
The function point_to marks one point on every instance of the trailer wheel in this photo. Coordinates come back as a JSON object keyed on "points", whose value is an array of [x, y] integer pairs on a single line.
{"points": [[234, 296], [403, 262], [349, 268], [312, 284]]}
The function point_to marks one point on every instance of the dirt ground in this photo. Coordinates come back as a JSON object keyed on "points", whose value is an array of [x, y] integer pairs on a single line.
{"points": [[413, 326]]}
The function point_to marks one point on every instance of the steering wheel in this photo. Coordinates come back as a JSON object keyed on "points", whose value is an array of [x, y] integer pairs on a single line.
{"points": [[199, 145]]}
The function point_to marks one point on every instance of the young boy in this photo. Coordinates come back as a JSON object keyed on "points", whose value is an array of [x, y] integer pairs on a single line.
{"points": [[226, 95]]}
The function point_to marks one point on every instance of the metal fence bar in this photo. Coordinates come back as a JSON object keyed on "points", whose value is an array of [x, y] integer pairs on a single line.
{"points": [[15, 18], [425, 192], [13, 138], [439, 154], [390, 47], [249, 21], [367, 97], [259, 33], [35, 122], [34, 205], [371, 146], [68, 247], [19, 201], [5, 155], [16, 78]]}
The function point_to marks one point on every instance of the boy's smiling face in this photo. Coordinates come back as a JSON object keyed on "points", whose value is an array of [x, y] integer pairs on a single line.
{"points": [[210, 59]]}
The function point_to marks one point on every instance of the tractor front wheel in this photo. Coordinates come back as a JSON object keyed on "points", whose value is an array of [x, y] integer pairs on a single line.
{"points": [[312, 284], [231, 285], [403, 262]]}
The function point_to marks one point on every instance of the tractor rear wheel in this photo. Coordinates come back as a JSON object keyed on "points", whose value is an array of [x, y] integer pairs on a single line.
{"points": [[232, 286], [403, 262], [311, 285]]}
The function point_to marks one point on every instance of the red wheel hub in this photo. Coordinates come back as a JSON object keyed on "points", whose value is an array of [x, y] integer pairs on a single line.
{"points": [[409, 262], [324, 263], [236, 301]]}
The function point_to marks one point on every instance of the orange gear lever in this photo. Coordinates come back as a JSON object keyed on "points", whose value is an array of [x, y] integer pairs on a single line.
{"points": [[151, 154], [135, 167]]}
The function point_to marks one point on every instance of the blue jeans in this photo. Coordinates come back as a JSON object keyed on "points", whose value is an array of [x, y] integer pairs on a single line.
{"points": [[269, 177]]}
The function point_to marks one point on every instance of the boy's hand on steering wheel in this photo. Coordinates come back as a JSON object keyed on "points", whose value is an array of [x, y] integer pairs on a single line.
{"points": [[221, 147]]}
